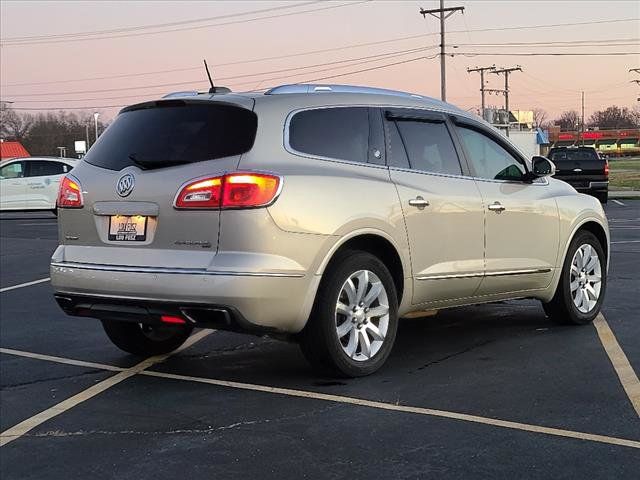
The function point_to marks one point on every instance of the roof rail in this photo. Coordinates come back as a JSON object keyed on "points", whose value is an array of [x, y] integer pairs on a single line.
{"points": [[194, 93], [188, 93], [311, 88]]}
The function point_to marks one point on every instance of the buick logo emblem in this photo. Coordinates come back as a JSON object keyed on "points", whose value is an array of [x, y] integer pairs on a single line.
{"points": [[125, 185]]}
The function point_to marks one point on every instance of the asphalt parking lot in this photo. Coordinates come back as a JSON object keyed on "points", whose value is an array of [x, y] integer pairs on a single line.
{"points": [[492, 391]]}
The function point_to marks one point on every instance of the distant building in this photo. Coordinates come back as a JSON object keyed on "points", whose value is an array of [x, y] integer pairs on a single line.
{"points": [[522, 131], [614, 142], [12, 150]]}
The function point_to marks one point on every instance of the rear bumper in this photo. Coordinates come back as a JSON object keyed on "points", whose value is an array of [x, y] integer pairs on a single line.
{"points": [[227, 300]]}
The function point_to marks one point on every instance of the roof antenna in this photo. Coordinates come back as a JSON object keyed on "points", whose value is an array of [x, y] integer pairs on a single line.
{"points": [[206, 67]]}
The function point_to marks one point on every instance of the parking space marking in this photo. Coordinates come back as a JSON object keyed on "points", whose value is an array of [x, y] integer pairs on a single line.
{"points": [[140, 369], [402, 408], [618, 202], [627, 241], [66, 361], [621, 365], [36, 224], [28, 284], [25, 426]]}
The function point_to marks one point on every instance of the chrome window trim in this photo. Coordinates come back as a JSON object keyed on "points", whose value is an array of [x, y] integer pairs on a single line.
{"points": [[435, 174], [527, 271], [293, 151], [168, 270]]}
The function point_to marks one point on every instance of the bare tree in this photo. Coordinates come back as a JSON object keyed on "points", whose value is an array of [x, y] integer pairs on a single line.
{"points": [[615, 117], [14, 125], [569, 120], [539, 117]]}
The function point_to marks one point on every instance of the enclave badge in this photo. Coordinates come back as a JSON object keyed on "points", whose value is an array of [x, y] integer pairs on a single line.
{"points": [[125, 185]]}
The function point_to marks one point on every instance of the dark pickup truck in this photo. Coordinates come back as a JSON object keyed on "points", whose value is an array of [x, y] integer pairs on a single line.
{"points": [[583, 169]]}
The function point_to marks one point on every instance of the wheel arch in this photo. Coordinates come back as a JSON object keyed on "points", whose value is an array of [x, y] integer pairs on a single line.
{"points": [[377, 243]]}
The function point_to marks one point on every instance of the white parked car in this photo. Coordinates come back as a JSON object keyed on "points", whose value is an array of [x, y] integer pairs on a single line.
{"points": [[31, 183]]}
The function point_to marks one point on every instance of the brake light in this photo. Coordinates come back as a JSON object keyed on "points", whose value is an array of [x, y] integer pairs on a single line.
{"points": [[69, 193], [172, 319], [606, 168], [234, 190]]}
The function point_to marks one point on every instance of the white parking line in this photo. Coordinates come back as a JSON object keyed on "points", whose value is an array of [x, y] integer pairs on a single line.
{"points": [[618, 202], [25, 426], [28, 284], [626, 241], [20, 429], [66, 361], [623, 368]]}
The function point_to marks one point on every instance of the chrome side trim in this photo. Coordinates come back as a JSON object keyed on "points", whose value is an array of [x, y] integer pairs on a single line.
{"points": [[167, 270], [527, 271]]}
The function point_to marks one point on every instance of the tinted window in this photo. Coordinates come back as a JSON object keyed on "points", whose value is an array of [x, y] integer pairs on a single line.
{"points": [[173, 133], [40, 168], [573, 155], [341, 133], [489, 159], [429, 147], [397, 155], [13, 170]]}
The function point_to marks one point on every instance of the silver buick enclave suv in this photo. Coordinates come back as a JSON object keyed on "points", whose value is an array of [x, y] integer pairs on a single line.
{"points": [[320, 213]]}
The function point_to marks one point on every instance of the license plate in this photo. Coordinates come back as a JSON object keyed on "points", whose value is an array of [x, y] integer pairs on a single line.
{"points": [[124, 228]]}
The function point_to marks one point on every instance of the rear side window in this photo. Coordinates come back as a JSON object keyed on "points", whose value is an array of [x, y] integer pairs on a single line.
{"points": [[39, 168], [573, 155], [340, 133], [172, 133], [429, 147]]}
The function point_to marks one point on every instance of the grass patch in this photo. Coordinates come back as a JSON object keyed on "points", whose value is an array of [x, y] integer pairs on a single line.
{"points": [[624, 173]]}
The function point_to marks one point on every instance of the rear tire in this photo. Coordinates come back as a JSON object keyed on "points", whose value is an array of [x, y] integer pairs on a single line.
{"points": [[354, 320], [146, 340], [579, 294]]}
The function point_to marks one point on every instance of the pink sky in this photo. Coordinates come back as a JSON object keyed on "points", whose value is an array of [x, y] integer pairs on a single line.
{"points": [[552, 83]]}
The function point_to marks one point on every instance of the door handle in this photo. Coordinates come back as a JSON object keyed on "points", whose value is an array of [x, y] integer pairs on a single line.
{"points": [[419, 202], [497, 207]]}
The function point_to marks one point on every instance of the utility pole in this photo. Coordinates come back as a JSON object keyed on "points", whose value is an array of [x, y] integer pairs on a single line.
{"points": [[582, 120], [506, 72], [442, 15], [482, 89]]}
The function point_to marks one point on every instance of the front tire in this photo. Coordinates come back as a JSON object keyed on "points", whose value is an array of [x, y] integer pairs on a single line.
{"points": [[146, 340], [354, 320], [582, 284]]}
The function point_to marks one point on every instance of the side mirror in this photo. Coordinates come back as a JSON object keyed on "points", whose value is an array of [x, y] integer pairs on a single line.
{"points": [[542, 167]]}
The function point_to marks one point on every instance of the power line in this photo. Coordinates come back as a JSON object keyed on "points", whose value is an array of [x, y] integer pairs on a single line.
{"points": [[174, 84], [352, 63], [541, 54], [200, 27], [157, 25], [415, 59]]}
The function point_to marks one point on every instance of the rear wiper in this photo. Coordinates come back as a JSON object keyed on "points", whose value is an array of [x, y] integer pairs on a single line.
{"points": [[146, 163]]}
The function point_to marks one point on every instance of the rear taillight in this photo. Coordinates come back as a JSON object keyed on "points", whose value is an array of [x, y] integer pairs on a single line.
{"points": [[69, 193], [606, 168], [234, 190]]}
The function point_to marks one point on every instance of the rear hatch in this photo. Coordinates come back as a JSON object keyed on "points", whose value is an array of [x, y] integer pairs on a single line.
{"points": [[131, 176], [578, 166]]}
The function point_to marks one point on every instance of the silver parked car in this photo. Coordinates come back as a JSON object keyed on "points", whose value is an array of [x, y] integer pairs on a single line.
{"points": [[319, 213]]}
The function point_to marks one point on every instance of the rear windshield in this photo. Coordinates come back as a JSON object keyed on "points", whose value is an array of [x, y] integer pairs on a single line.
{"points": [[172, 133], [573, 155]]}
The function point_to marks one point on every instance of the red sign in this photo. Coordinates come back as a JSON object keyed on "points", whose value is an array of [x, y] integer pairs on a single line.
{"points": [[566, 136], [591, 135]]}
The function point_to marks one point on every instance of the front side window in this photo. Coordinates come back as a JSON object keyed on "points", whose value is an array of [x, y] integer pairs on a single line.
{"points": [[41, 168], [489, 158], [341, 133], [13, 170], [429, 147]]}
